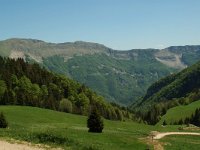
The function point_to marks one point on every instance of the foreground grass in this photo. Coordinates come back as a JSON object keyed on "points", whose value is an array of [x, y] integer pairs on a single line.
{"points": [[69, 131], [46, 126], [177, 142], [180, 112]]}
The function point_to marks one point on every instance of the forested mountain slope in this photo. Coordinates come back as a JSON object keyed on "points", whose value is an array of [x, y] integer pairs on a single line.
{"points": [[177, 89], [27, 84], [119, 76]]}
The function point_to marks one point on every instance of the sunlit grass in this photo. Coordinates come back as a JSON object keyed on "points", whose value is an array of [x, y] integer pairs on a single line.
{"points": [[38, 125]]}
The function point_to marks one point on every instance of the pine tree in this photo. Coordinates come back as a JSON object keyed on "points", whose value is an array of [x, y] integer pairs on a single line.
{"points": [[3, 122], [95, 122], [180, 122], [164, 123]]}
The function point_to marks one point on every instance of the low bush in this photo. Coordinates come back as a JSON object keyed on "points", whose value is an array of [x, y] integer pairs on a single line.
{"points": [[3, 122], [49, 137]]}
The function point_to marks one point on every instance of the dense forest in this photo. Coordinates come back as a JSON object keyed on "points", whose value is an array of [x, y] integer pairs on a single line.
{"points": [[29, 84], [177, 89]]}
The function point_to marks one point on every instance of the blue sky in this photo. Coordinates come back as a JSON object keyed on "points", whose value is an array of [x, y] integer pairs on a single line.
{"points": [[119, 24]]}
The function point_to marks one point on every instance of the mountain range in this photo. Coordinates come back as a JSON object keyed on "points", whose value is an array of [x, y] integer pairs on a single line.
{"points": [[121, 76]]}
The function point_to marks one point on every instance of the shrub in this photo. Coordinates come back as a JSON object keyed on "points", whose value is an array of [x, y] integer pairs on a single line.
{"points": [[49, 137], [95, 122], [3, 122], [164, 123], [65, 105], [180, 128]]}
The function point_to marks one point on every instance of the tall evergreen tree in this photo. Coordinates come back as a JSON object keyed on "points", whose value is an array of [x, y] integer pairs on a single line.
{"points": [[95, 122]]}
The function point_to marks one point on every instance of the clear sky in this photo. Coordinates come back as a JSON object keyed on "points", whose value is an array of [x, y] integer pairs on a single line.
{"points": [[119, 24]]}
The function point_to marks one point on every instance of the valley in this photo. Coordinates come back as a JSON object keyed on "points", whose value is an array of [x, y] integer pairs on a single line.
{"points": [[36, 76], [120, 76], [99, 75]]}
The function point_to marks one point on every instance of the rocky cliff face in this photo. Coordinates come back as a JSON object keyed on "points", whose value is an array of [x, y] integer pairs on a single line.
{"points": [[37, 49]]}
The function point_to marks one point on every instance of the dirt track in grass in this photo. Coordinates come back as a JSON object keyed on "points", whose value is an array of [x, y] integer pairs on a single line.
{"points": [[20, 145], [161, 135], [153, 138]]}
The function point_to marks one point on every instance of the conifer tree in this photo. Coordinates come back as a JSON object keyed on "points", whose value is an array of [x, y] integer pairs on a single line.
{"points": [[95, 122], [164, 123]]}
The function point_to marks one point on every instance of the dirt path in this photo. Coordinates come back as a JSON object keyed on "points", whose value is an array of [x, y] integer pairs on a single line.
{"points": [[153, 138], [156, 144], [161, 135], [4, 145]]}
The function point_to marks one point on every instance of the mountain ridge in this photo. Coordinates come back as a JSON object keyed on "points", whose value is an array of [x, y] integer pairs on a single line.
{"points": [[18, 47], [120, 76], [84, 48]]}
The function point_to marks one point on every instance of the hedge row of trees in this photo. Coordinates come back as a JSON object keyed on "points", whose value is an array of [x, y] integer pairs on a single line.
{"points": [[28, 84]]}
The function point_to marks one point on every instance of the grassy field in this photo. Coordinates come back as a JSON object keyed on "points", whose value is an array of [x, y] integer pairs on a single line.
{"points": [[69, 131], [176, 142], [180, 112]]}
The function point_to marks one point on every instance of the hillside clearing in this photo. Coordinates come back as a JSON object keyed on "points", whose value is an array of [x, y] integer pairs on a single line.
{"points": [[179, 112]]}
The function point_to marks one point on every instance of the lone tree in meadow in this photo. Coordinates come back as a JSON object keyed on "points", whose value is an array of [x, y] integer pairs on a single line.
{"points": [[3, 122], [95, 122]]}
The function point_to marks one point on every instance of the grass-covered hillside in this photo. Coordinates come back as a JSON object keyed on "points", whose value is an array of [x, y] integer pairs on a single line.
{"points": [[173, 86], [69, 131], [28, 84], [175, 114], [119, 76]]}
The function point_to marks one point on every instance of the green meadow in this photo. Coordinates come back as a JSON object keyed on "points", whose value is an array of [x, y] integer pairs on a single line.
{"points": [[69, 131], [177, 142], [180, 112]]}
